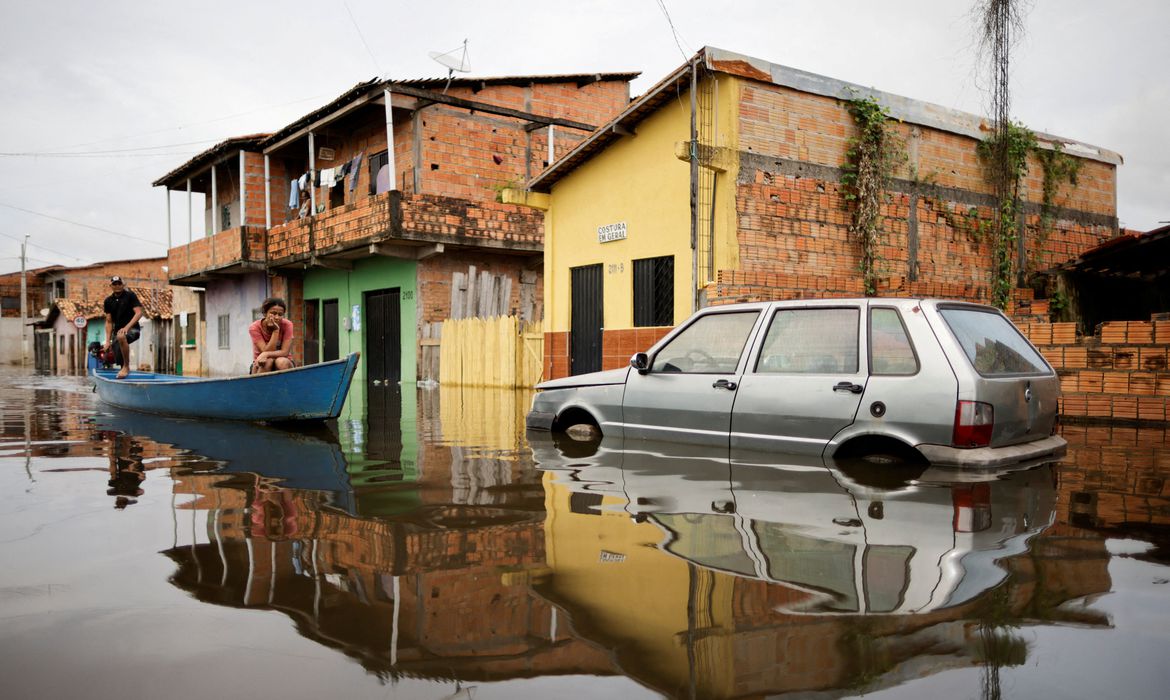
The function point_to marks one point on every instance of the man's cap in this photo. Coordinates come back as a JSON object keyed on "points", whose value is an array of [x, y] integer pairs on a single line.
{"points": [[115, 280]]}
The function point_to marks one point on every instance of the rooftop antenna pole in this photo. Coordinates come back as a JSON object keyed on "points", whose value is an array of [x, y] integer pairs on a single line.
{"points": [[460, 63]]}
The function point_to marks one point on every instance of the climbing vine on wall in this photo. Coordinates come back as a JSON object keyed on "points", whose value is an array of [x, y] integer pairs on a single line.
{"points": [[870, 161], [1005, 157], [1059, 168]]}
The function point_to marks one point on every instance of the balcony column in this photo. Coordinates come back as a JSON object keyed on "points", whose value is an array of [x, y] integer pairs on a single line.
{"points": [[312, 174], [267, 194], [167, 191], [391, 166], [551, 140], [214, 203], [190, 228], [243, 190]]}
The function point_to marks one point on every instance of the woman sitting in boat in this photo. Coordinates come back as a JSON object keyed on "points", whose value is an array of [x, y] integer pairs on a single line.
{"points": [[272, 338]]}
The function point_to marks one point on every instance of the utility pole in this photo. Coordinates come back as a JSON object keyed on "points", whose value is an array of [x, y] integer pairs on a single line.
{"points": [[23, 304]]}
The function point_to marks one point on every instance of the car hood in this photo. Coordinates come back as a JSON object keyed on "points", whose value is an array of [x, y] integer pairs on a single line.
{"points": [[610, 376]]}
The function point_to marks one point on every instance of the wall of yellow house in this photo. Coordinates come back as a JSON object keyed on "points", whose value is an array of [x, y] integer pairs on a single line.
{"points": [[638, 181], [608, 570]]}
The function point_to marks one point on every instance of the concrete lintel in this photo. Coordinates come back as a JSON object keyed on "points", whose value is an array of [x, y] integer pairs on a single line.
{"points": [[332, 264], [405, 252], [525, 198]]}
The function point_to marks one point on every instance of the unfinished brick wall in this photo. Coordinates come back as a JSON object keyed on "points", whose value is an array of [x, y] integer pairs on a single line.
{"points": [[215, 252], [793, 219], [34, 287], [92, 283]]}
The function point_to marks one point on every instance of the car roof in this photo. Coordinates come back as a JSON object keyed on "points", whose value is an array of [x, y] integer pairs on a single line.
{"points": [[839, 301]]}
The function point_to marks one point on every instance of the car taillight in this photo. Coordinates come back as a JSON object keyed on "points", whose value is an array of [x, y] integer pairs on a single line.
{"points": [[973, 423]]}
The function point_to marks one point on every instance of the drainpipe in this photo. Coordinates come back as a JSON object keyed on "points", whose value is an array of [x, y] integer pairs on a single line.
{"points": [[312, 174], [391, 165], [694, 188]]}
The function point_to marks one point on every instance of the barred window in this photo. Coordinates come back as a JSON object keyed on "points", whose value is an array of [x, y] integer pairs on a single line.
{"points": [[654, 291], [225, 331]]}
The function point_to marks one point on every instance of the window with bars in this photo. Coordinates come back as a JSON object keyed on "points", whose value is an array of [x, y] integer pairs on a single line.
{"points": [[225, 331], [654, 291]]}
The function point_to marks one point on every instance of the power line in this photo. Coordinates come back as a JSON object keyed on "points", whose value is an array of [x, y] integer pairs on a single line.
{"points": [[78, 223], [60, 154], [37, 245], [361, 36], [673, 31]]}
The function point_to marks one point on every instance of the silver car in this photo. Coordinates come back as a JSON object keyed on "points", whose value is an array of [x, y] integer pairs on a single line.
{"points": [[948, 382]]}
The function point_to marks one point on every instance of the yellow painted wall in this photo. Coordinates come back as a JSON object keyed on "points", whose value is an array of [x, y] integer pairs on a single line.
{"points": [[639, 181], [640, 600]]}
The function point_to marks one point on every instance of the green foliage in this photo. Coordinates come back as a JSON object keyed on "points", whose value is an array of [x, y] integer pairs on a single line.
{"points": [[870, 161], [1005, 157], [1059, 168]]}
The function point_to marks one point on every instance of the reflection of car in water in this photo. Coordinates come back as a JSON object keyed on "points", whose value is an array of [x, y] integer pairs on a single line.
{"points": [[834, 530]]}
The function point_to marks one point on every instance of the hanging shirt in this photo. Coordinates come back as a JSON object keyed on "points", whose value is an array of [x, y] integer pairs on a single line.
{"points": [[353, 170], [294, 194]]}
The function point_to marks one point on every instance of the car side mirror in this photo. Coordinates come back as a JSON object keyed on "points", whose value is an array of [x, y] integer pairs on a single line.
{"points": [[641, 362]]}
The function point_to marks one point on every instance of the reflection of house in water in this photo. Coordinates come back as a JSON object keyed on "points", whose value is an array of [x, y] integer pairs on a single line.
{"points": [[433, 597], [800, 579]]}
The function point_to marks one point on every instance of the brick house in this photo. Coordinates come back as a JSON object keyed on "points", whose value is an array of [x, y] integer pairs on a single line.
{"points": [[642, 229], [368, 241]]}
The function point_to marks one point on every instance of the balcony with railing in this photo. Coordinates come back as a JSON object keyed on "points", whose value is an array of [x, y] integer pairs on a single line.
{"points": [[236, 251]]}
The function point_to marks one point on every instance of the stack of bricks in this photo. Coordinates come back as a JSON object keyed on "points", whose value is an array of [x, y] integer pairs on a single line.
{"points": [[1121, 373]]}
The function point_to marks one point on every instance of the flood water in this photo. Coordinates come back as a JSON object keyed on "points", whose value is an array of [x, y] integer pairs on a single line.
{"points": [[425, 547]]}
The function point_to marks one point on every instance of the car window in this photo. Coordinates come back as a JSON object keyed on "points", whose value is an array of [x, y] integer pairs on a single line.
{"points": [[810, 341], [710, 345], [992, 343], [890, 349]]}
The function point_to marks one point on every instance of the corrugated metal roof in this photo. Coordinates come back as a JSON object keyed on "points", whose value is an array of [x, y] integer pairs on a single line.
{"points": [[520, 80], [1132, 253], [205, 159], [355, 92]]}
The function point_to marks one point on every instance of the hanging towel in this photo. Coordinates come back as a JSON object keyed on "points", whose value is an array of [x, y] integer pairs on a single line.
{"points": [[327, 179], [303, 182], [294, 193]]}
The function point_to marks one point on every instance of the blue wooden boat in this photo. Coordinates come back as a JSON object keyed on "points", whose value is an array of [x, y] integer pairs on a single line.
{"points": [[312, 392]]}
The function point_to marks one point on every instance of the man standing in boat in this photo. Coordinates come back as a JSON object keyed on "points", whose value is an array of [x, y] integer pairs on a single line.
{"points": [[122, 313], [272, 338]]}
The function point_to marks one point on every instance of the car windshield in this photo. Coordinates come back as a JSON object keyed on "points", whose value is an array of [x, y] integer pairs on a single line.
{"points": [[992, 343], [710, 345]]}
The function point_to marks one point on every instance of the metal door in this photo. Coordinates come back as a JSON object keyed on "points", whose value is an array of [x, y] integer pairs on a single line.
{"points": [[330, 329], [383, 337], [585, 320]]}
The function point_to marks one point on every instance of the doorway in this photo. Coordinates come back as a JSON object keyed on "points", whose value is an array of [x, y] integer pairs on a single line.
{"points": [[383, 337], [586, 320], [329, 330]]}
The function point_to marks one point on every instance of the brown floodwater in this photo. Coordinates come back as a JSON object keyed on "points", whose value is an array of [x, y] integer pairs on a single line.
{"points": [[424, 546]]}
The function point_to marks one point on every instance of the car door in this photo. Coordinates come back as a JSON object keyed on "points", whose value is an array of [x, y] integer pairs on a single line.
{"points": [[805, 382], [687, 394]]}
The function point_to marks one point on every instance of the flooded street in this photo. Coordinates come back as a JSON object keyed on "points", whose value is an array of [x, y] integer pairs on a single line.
{"points": [[425, 547]]}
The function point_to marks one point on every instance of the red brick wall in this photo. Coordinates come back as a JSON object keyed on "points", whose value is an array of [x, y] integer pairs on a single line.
{"points": [[34, 292], [793, 219], [215, 252]]}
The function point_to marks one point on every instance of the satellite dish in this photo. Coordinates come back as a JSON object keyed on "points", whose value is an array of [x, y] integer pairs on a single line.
{"points": [[456, 60]]}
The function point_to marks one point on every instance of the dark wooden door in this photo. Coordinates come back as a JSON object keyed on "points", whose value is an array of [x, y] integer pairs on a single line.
{"points": [[330, 330], [383, 337], [585, 320], [312, 331]]}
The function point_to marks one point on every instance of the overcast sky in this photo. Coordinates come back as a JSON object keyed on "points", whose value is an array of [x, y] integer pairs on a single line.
{"points": [[133, 89]]}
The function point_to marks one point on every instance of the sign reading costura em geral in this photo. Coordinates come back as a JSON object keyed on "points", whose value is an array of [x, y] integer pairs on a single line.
{"points": [[611, 232]]}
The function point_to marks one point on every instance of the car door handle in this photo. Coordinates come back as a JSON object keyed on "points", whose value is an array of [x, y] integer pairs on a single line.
{"points": [[724, 384], [848, 386]]}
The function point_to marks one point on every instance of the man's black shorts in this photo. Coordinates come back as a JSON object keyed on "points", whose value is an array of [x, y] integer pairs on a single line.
{"points": [[131, 335]]}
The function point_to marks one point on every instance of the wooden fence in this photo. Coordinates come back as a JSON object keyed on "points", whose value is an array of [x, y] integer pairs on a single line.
{"points": [[501, 351]]}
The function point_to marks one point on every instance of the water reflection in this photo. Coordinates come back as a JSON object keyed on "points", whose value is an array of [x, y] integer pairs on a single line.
{"points": [[423, 537], [787, 576]]}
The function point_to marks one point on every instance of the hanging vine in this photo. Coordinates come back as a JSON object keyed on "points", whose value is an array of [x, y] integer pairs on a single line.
{"points": [[870, 161], [1005, 156], [1059, 168]]}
